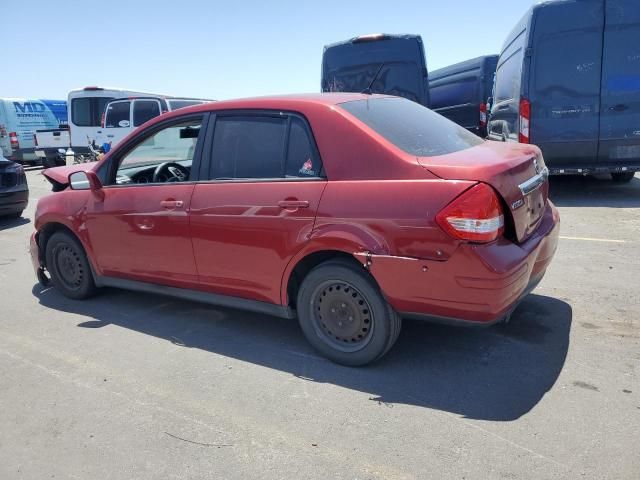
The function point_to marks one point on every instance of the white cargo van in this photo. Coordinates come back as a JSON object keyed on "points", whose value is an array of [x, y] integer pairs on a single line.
{"points": [[86, 106], [121, 117], [20, 118]]}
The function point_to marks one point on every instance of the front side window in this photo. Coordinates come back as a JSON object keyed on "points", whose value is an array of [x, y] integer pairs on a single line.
{"points": [[145, 110], [174, 146], [412, 127], [117, 115]]}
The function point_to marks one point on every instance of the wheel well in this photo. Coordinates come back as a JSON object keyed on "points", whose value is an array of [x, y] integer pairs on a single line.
{"points": [[307, 264], [45, 233]]}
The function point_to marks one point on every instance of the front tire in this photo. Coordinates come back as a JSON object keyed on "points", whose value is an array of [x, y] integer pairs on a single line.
{"points": [[69, 267], [622, 177], [344, 315]]}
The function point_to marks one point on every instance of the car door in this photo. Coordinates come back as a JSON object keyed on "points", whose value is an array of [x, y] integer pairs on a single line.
{"points": [[259, 205], [117, 122], [620, 99], [140, 229]]}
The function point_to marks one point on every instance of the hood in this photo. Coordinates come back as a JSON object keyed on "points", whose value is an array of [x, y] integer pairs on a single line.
{"points": [[59, 176]]}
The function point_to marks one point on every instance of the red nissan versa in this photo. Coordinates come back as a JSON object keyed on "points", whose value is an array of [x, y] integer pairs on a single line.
{"points": [[349, 211]]}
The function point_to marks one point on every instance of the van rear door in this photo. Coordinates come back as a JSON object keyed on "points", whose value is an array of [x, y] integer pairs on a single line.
{"points": [[620, 99]]}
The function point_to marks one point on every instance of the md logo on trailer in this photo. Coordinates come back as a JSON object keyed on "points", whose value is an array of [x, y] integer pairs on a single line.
{"points": [[29, 107]]}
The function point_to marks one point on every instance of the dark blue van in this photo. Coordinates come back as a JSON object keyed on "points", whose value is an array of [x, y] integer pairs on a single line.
{"points": [[460, 92], [395, 64], [568, 80]]}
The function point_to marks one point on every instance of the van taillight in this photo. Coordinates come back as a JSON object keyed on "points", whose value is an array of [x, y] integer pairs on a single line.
{"points": [[13, 140], [102, 120], [525, 121], [483, 114], [475, 216]]}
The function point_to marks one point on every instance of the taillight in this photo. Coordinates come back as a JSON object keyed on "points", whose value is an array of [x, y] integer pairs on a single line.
{"points": [[13, 140], [475, 216], [102, 120], [525, 120], [483, 114]]}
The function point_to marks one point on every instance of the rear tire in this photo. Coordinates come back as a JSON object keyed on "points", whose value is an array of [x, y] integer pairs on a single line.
{"points": [[622, 177], [344, 316], [69, 267]]}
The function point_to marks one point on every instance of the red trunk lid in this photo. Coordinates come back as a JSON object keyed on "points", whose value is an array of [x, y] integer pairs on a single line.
{"points": [[517, 172]]}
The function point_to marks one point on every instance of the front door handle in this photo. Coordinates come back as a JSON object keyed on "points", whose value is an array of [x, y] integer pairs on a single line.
{"points": [[289, 204], [171, 204]]}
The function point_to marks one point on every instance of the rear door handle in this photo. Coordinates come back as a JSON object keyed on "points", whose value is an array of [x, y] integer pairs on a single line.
{"points": [[619, 108], [293, 204], [171, 204]]}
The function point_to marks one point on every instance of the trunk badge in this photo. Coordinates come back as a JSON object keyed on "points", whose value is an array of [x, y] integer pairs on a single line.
{"points": [[517, 204]]}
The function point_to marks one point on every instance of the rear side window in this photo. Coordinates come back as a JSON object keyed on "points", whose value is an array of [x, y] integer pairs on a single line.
{"points": [[87, 111], [509, 71], [145, 110], [117, 115], [263, 147], [451, 93], [249, 147], [412, 127]]}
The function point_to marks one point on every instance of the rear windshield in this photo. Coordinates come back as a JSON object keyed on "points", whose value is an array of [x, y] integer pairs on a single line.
{"points": [[412, 127]]}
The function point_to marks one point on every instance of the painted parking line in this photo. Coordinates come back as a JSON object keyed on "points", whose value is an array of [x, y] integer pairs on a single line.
{"points": [[589, 239]]}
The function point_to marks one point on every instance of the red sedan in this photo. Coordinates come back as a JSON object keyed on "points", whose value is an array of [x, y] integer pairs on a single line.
{"points": [[347, 211]]}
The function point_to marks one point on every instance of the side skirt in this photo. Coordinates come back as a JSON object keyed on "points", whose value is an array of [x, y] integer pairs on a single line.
{"points": [[197, 296]]}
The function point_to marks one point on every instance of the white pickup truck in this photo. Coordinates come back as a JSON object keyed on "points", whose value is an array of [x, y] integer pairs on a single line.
{"points": [[51, 145]]}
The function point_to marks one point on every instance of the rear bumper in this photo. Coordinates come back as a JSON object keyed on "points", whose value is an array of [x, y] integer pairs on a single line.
{"points": [[594, 169], [479, 284], [13, 202]]}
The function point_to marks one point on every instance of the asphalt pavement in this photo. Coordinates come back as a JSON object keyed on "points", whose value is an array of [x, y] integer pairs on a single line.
{"points": [[138, 386]]}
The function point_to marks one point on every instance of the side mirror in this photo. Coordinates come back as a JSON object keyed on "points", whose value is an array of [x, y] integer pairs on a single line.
{"points": [[85, 181]]}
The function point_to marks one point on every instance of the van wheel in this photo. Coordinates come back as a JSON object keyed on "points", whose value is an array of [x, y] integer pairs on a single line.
{"points": [[622, 177], [68, 266], [344, 315]]}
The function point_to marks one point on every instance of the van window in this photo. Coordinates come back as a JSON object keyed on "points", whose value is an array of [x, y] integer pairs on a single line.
{"points": [[176, 104], [508, 77], [412, 127], [454, 93], [87, 111], [117, 115], [249, 147], [145, 110]]}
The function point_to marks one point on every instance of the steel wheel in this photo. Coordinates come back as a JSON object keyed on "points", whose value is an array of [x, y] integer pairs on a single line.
{"points": [[69, 266], [342, 316]]}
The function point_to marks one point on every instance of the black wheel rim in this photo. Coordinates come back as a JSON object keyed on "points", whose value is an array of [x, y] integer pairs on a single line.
{"points": [[342, 316], [69, 266]]}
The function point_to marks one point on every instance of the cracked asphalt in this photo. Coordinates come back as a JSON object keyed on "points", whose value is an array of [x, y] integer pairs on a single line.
{"points": [[135, 386]]}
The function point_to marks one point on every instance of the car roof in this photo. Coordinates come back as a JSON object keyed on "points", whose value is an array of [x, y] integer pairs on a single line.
{"points": [[275, 102]]}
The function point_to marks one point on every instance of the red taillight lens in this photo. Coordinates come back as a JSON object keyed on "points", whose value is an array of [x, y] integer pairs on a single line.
{"points": [[475, 216], [13, 140], [483, 114], [102, 120], [525, 120]]}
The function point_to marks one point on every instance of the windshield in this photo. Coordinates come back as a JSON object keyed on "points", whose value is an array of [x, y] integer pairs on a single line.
{"points": [[412, 127]]}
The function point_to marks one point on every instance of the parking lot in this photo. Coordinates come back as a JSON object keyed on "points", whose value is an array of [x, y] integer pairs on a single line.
{"points": [[129, 385]]}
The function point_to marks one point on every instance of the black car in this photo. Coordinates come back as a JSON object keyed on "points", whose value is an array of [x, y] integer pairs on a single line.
{"points": [[14, 191]]}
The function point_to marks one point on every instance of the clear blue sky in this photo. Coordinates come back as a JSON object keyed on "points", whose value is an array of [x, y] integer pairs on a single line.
{"points": [[222, 49]]}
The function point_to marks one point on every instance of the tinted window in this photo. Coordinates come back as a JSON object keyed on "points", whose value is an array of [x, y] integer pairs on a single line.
{"points": [[117, 115], [301, 160], [455, 93], [87, 111], [176, 143], [145, 110], [176, 104], [509, 71], [412, 127], [249, 147]]}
